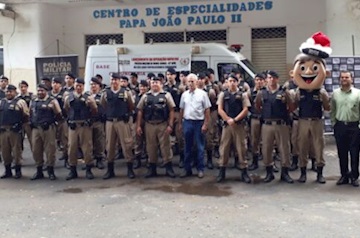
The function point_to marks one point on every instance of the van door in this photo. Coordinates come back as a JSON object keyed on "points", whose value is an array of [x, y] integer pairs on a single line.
{"points": [[199, 64], [102, 66]]}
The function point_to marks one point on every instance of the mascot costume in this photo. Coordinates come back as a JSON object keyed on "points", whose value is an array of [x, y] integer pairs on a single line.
{"points": [[309, 74]]}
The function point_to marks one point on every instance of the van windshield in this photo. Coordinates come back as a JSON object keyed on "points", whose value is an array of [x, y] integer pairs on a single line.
{"points": [[250, 66]]}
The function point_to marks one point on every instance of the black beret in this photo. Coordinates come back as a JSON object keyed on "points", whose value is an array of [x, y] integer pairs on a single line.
{"points": [[171, 70], [161, 75], [210, 70], [234, 77], [24, 83], [150, 75], [79, 80], [45, 79], [43, 86], [185, 73], [201, 75], [4, 78], [98, 76], [144, 83], [10, 87], [57, 80], [70, 75], [272, 73], [261, 75], [96, 80], [124, 78], [235, 71], [115, 75], [134, 75], [156, 79]]}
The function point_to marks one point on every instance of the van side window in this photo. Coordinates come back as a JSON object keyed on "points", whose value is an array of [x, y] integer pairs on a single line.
{"points": [[224, 69], [198, 66]]}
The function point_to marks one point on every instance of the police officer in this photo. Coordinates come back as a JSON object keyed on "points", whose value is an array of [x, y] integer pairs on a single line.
{"points": [[44, 111], [156, 107], [176, 90], [13, 112], [275, 104], [233, 108], [118, 104], [80, 107], [47, 82], [134, 84], [69, 82], [4, 81], [98, 126], [255, 122]]}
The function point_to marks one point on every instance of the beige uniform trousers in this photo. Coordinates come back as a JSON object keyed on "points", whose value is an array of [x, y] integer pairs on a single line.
{"points": [[44, 141]]}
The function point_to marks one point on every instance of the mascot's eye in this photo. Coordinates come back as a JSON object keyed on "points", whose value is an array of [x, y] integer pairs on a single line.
{"points": [[302, 67], [315, 67]]}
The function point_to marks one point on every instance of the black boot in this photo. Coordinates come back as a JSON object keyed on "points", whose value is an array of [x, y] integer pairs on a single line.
{"points": [[50, 170], [99, 163], [244, 176], [39, 173], [254, 165], [66, 162], [110, 171], [285, 175], [88, 173], [269, 174], [169, 170], [18, 171], [137, 161], [275, 168], [181, 161], [320, 178], [209, 159], [72, 174], [8, 172], [151, 171], [302, 178], [313, 167], [294, 164], [236, 162], [216, 152], [130, 171], [221, 175]]}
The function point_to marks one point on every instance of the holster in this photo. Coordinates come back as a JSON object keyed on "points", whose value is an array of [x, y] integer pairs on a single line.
{"points": [[16, 128], [72, 125]]}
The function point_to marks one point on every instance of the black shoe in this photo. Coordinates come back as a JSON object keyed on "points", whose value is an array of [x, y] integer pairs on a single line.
{"points": [[302, 178], [244, 176], [72, 174], [99, 163], [320, 178], [110, 171], [294, 164], [8, 172], [39, 173], [88, 173], [169, 170], [269, 174], [285, 175], [186, 173], [209, 160], [181, 161], [216, 152], [275, 168], [130, 171], [221, 175], [254, 165], [137, 162], [51, 173], [18, 171], [355, 182], [343, 180], [151, 171], [236, 163]]}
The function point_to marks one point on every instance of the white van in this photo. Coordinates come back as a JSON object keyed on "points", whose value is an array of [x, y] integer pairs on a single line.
{"points": [[156, 58]]}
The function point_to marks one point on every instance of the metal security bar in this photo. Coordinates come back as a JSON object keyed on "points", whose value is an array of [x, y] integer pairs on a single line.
{"points": [[264, 33], [219, 36]]}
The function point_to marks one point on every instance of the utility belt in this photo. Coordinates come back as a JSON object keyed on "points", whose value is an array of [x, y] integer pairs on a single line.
{"points": [[124, 118], [74, 124], [155, 122], [275, 122], [45, 126], [254, 116], [99, 119], [17, 128]]}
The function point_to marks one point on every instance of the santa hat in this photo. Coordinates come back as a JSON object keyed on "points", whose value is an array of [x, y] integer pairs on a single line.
{"points": [[317, 45]]}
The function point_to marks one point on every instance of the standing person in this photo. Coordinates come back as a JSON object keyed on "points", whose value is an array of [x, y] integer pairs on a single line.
{"points": [[80, 107], [69, 82], [118, 104], [98, 126], [44, 111], [255, 122], [275, 104], [345, 117], [134, 84], [13, 112], [27, 97], [195, 115], [4, 81], [233, 107], [47, 82], [156, 107]]}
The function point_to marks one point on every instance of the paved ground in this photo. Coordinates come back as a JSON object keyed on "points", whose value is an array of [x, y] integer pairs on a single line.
{"points": [[191, 207]]}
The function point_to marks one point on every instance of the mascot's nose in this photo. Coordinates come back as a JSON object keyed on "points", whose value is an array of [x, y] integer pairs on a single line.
{"points": [[308, 71]]}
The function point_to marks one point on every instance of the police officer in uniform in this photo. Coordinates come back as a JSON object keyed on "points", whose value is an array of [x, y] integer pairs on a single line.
{"points": [[156, 107], [80, 107], [4, 81], [255, 122], [275, 103], [98, 126], [134, 84], [233, 108], [47, 82], [13, 112], [69, 82], [44, 111], [176, 90], [118, 104]]}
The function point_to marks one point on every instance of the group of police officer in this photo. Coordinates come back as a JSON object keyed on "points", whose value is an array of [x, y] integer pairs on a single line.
{"points": [[140, 117]]}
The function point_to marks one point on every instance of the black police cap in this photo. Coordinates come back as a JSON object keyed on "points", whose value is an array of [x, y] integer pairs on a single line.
{"points": [[45, 79], [156, 79], [272, 73], [234, 77], [23, 82], [150, 75], [2, 77], [134, 75], [70, 75], [79, 80], [144, 83], [201, 75], [171, 71], [57, 80], [124, 78], [95, 80], [10, 87], [115, 75], [43, 86]]}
